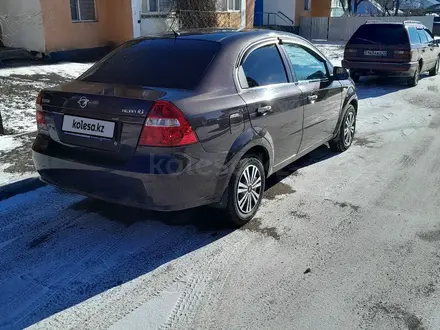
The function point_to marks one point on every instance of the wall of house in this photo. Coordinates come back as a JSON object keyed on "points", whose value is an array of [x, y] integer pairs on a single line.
{"points": [[300, 12], [321, 8], [21, 24], [285, 6], [114, 25], [250, 10]]}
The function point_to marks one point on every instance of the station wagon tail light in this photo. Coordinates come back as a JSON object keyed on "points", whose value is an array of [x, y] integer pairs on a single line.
{"points": [[351, 51], [405, 54], [166, 126]]}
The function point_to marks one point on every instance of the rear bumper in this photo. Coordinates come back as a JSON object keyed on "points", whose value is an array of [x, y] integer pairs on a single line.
{"points": [[196, 186], [379, 68]]}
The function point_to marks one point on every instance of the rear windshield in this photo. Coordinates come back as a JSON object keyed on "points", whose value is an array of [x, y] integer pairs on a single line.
{"points": [[167, 63], [380, 34]]}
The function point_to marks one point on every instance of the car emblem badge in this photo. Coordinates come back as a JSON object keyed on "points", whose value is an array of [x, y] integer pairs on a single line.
{"points": [[83, 102]]}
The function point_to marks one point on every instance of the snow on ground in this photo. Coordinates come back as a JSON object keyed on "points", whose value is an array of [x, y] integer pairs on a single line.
{"points": [[334, 51], [19, 87], [15, 157]]}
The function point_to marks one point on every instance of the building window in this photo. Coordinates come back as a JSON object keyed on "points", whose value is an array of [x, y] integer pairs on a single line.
{"points": [[156, 6], [234, 5], [83, 10], [307, 5]]}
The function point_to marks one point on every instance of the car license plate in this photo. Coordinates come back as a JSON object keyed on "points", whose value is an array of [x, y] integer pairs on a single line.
{"points": [[375, 52], [88, 126]]}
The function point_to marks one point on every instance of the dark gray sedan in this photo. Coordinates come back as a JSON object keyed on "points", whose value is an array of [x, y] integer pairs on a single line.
{"points": [[179, 121]]}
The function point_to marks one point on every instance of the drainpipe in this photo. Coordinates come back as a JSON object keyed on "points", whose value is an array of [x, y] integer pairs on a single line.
{"points": [[243, 14], [136, 8]]}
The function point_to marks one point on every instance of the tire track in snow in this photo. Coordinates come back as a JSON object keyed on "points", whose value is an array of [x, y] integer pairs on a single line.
{"points": [[205, 283]]}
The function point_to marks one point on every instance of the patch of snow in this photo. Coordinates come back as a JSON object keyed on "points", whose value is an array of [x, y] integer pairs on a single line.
{"points": [[19, 87], [8, 143], [332, 50], [15, 157], [72, 70]]}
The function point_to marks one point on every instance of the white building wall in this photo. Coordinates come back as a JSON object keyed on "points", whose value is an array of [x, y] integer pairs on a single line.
{"points": [[287, 7], [21, 24]]}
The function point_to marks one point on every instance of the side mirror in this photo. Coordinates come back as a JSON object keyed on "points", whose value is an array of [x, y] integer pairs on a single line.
{"points": [[340, 73]]}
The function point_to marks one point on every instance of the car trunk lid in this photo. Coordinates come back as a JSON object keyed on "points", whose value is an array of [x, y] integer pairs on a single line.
{"points": [[99, 116], [379, 43]]}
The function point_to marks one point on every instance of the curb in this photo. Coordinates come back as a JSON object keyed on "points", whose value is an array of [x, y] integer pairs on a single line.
{"points": [[20, 187]]}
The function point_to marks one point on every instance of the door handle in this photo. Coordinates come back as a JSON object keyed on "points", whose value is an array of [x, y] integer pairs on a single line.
{"points": [[263, 110], [312, 97]]}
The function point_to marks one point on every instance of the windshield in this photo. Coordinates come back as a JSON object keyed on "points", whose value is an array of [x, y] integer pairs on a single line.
{"points": [[386, 34], [167, 63]]}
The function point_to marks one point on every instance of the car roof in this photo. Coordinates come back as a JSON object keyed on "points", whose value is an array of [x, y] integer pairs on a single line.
{"points": [[223, 35]]}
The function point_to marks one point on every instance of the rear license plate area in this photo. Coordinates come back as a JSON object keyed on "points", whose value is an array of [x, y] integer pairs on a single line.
{"points": [[376, 53], [88, 127]]}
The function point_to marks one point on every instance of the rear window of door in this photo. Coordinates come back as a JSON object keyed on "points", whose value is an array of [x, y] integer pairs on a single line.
{"points": [[263, 67], [384, 34], [414, 36], [429, 35], [167, 63], [306, 65], [422, 36]]}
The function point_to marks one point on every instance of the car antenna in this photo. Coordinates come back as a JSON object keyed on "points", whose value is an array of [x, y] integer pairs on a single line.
{"points": [[176, 34]]}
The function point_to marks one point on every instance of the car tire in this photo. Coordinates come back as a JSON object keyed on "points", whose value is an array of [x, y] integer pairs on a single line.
{"points": [[346, 133], [413, 81], [434, 71], [246, 190]]}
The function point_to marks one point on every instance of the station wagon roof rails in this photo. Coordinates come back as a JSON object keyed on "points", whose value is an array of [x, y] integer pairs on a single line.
{"points": [[412, 22], [372, 21]]}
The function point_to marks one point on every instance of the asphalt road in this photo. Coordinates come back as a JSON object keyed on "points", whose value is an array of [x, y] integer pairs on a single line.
{"points": [[343, 241]]}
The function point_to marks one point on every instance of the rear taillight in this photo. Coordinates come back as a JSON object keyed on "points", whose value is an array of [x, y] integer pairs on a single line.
{"points": [[403, 54], [166, 126], [351, 51], [41, 121]]}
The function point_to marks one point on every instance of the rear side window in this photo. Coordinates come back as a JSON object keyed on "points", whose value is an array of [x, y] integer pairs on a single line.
{"points": [[167, 63], [391, 34], [422, 36], [414, 36], [263, 66], [429, 35]]}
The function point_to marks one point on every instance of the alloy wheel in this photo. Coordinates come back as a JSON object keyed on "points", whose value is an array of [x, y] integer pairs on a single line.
{"points": [[349, 128], [249, 189]]}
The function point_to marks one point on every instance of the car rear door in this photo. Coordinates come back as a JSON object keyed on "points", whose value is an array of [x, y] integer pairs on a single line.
{"points": [[433, 49], [275, 105], [426, 52], [322, 96]]}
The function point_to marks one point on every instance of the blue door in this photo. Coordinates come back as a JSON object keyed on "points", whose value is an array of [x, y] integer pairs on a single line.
{"points": [[258, 13]]}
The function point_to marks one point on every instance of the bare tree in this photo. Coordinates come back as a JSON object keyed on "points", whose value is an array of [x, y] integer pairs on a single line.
{"points": [[350, 7]]}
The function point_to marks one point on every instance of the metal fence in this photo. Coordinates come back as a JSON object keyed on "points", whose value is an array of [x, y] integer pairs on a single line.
{"points": [[342, 28]]}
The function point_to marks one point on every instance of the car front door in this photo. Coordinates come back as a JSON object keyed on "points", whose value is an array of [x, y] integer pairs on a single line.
{"points": [[322, 96], [274, 104]]}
